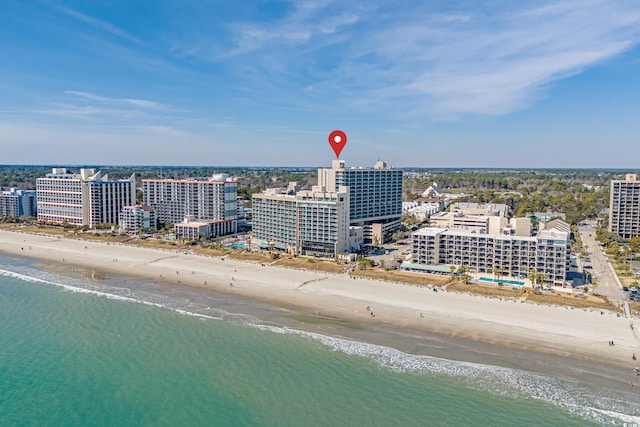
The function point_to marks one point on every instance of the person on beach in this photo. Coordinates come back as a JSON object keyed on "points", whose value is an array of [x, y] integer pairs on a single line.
{"points": [[634, 356]]}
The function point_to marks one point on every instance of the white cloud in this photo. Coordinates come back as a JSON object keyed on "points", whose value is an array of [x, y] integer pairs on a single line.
{"points": [[99, 24], [128, 101], [416, 59]]}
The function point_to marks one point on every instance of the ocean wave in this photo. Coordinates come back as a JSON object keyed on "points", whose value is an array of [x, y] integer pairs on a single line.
{"points": [[603, 406]]}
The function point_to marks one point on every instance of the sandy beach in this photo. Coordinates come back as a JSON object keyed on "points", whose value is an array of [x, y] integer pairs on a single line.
{"points": [[582, 335]]}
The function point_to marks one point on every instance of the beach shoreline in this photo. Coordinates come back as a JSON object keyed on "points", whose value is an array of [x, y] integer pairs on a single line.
{"points": [[566, 342]]}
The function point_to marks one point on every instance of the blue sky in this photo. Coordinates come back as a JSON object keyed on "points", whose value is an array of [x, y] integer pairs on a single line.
{"points": [[418, 83]]}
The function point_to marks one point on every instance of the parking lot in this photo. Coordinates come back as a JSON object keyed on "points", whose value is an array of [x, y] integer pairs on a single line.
{"points": [[389, 254]]}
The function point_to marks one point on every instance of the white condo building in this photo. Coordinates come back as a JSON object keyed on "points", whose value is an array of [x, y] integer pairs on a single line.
{"points": [[211, 200], [138, 217], [87, 198], [275, 218], [375, 196], [510, 254], [16, 203], [312, 222], [624, 207]]}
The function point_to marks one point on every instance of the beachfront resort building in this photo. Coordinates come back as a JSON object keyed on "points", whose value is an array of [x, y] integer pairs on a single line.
{"points": [[86, 198], [275, 218], [18, 203], [137, 218], [624, 207], [210, 200], [314, 222], [512, 253], [375, 197]]}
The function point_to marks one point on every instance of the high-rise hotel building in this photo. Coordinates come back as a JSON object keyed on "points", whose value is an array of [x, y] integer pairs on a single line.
{"points": [[212, 200], [275, 218], [624, 207], [375, 197], [314, 222], [87, 198]]}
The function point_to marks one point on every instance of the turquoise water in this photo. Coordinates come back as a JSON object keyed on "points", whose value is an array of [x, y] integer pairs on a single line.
{"points": [[75, 352], [508, 282]]}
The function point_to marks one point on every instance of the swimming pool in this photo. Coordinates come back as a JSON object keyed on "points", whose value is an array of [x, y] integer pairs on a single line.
{"points": [[504, 281]]}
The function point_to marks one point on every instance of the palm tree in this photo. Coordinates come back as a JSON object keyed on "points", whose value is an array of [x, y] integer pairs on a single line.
{"points": [[533, 275], [540, 277]]}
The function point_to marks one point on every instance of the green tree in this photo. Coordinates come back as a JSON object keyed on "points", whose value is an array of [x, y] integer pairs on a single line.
{"points": [[453, 271], [634, 245], [398, 236], [364, 263]]}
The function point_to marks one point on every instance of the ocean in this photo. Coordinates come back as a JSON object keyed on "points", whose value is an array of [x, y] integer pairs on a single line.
{"points": [[78, 349]]}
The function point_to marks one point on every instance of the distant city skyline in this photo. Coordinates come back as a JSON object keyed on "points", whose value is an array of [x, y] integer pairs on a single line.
{"points": [[544, 84]]}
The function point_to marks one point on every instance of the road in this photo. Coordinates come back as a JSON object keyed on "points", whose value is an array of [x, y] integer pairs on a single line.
{"points": [[607, 284]]}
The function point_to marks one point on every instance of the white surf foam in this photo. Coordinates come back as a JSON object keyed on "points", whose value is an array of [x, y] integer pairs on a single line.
{"points": [[182, 306], [606, 406]]}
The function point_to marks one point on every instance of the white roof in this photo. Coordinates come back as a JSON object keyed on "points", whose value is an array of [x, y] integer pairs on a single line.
{"points": [[429, 231]]}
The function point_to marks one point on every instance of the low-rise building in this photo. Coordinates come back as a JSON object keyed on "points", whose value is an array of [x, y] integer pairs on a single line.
{"points": [[194, 229], [483, 209], [433, 191]]}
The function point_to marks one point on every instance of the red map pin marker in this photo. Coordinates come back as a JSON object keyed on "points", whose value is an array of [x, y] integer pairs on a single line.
{"points": [[337, 141]]}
